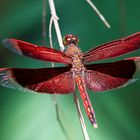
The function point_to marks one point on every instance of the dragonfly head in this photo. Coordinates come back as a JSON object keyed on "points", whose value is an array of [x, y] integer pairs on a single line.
{"points": [[70, 39]]}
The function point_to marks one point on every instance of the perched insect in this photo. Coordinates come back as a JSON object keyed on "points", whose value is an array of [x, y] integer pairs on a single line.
{"points": [[61, 80]]}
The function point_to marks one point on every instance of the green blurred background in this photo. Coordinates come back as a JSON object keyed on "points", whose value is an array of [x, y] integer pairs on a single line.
{"points": [[25, 116]]}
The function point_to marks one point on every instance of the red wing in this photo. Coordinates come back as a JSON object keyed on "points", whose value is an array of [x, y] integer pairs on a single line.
{"points": [[46, 80], [100, 77], [114, 48], [37, 52]]}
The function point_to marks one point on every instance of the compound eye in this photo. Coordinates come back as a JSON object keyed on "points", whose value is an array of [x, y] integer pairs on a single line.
{"points": [[70, 39], [74, 38]]}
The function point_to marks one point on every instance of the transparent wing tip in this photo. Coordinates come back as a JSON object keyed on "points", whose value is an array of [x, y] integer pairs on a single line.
{"points": [[129, 82], [12, 45], [7, 43], [6, 79]]}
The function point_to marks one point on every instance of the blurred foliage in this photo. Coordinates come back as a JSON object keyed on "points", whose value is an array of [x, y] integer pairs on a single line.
{"points": [[32, 117]]}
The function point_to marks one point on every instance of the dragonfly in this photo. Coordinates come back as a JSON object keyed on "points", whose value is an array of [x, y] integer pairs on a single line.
{"points": [[78, 70]]}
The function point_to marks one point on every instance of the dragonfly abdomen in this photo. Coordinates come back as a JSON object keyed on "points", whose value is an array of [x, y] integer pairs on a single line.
{"points": [[85, 98]]}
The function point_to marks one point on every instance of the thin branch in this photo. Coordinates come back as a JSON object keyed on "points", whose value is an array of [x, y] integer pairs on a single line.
{"points": [[56, 25], [44, 22], [54, 19], [44, 43], [98, 13], [50, 32], [81, 118]]}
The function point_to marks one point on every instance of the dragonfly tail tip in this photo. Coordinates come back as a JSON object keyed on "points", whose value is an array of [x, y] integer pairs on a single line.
{"points": [[95, 125]]}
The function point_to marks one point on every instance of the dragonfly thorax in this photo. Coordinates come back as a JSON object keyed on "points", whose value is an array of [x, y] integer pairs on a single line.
{"points": [[77, 57], [77, 65]]}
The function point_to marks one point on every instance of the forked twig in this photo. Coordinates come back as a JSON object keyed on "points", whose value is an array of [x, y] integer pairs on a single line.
{"points": [[54, 96], [98, 13], [56, 25], [44, 43]]}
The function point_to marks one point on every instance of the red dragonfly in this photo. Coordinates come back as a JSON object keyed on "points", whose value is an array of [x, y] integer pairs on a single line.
{"points": [[62, 80]]}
